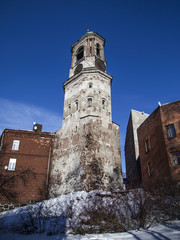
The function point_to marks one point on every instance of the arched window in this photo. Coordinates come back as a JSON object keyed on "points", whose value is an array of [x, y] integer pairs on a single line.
{"points": [[89, 102], [80, 53], [90, 85], [97, 50]]}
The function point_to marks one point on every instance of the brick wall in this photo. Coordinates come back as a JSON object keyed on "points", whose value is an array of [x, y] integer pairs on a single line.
{"points": [[170, 114], [32, 157], [160, 147]]}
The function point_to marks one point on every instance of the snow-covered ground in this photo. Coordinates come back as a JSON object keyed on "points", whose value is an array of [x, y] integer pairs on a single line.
{"points": [[168, 231], [92, 212]]}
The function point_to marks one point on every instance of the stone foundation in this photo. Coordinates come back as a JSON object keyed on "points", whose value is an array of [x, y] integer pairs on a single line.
{"points": [[10, 206]]}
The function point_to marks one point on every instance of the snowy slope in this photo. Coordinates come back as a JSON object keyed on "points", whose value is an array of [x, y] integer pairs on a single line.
{"points": [[89, 212]]}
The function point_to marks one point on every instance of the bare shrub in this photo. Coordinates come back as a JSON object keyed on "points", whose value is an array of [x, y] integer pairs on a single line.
{"points": [[116, 212], [95, 212], [8, 183], [166, 195]]}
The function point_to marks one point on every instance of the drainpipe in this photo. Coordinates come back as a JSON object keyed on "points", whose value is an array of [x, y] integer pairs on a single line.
{"points": [[47, 177]]}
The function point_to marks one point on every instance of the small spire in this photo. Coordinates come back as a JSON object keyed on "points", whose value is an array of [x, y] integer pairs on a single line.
{"points": [[87, 25]]}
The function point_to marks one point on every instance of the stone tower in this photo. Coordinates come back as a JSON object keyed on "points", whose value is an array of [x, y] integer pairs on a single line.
{"points": [[86, 154]]}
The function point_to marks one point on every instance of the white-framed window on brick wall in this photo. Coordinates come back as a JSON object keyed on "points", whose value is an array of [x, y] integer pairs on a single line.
{"points": [[15, 145], [12, 164]]}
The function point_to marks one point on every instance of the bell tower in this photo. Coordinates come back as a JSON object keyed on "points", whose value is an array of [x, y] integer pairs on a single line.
{"points": [[86, 154], [88, 52], [88, 89]]}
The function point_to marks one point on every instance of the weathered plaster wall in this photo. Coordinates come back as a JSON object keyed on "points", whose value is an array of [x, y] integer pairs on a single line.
{"points": [[78, 90]]}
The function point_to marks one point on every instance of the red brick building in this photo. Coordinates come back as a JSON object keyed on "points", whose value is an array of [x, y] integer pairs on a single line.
{"points": [[159, 145], [24, 165]]}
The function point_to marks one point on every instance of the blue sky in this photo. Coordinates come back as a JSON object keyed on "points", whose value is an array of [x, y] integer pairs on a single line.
{"points": [[142, 53]]}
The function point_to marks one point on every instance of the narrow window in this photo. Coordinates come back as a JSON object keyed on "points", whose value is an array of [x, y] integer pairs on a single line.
{"points": [[150, 169], [90, 50], [76, 105], [176, 158], [89, 102], [97, 50], [12, 164], [15, 145], [90, 85], [170, 131], [103, 103], [80, 53], [69, 108], [147, 145]]}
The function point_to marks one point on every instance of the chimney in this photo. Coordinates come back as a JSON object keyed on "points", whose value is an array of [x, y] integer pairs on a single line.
{"points": [[37, 127]]}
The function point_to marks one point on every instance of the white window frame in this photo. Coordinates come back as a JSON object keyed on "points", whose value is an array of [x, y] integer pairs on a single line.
{"points": [[15, 145], [12, 164]]}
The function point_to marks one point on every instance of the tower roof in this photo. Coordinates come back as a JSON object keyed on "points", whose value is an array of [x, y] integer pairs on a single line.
{"points": [[88, 34]]}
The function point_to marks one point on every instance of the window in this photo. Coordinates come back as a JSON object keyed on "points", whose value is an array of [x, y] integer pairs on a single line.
{"points": [[80, 53], [12, 164], [150, 169], [170, 131], [89, 102], [90, 85], [15, 145], [147, 145], [176, 158], [76, 105], [103, 103], [90, 50], [97, 50], [69, 108]]}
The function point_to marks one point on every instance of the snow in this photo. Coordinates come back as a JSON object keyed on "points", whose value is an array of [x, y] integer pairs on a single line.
{"points": [[57, 219], [168, 231]]}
